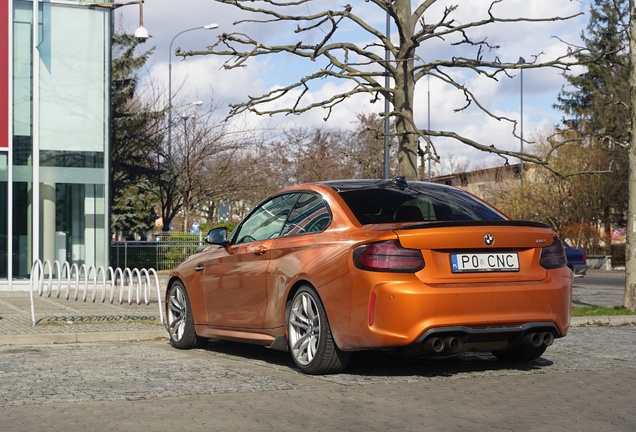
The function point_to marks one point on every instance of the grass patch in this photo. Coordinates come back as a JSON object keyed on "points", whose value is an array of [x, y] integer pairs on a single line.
{"points": [[600, 311]]}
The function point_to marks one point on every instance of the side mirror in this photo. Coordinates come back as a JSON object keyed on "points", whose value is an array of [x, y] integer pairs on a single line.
{"points": [[216, 236]]}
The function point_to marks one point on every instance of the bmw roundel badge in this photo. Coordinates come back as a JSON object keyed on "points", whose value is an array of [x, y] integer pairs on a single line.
{"points": [[489, 239]]}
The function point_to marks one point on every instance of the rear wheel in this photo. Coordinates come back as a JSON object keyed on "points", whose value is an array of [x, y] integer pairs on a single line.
{"points": [[521, 353], [310, 340], [180, 322]]}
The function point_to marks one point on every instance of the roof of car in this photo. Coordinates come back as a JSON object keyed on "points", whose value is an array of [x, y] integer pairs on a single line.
{"points": [[398, 182]]}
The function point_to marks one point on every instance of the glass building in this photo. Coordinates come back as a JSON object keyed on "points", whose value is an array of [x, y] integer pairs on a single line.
{"points": [[54, 145]]}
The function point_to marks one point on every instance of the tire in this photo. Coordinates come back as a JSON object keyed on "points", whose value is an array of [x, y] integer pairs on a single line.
{"points": [[179, 319], [524, 353], [309, 336]]}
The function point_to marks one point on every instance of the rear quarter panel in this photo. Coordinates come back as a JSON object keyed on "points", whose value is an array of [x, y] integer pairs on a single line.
{"points": [[321, 260]]}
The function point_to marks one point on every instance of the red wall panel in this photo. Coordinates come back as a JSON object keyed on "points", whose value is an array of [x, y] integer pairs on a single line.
{"points": [[4, 75]]}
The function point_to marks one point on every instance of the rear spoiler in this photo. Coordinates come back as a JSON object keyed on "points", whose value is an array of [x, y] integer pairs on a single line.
{"points": [[442, 224]]}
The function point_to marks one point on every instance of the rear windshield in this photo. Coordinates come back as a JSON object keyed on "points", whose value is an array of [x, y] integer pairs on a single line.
{"points": [[388, 204]]}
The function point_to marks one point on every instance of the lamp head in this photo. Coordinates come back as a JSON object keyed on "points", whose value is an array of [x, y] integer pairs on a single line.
{"points": [[141, 34]]}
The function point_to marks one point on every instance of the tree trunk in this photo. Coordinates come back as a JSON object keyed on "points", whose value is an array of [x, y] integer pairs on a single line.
{"points": [[629, 301], [408, 137], [404, 95]]}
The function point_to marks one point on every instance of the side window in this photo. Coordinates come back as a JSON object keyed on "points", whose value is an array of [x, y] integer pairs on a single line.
{"points": [[267, 220], [311, 214]]}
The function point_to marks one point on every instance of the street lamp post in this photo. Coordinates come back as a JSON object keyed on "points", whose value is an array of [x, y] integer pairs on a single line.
{"points": [[387, 82], [521, 61], [206, 27], [185, 116], [429, 127]]}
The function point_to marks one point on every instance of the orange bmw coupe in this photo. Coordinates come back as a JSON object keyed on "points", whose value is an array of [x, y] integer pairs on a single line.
{"points": [[325, 269]]}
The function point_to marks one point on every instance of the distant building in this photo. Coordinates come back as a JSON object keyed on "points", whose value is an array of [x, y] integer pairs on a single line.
{"points": [[484, 182], [54, 144]]}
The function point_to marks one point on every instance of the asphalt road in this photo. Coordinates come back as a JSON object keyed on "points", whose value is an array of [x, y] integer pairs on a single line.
{"points": [[585, 382]]}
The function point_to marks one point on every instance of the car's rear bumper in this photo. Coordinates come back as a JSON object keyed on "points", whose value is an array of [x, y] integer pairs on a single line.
{"points": [[399, 314]]}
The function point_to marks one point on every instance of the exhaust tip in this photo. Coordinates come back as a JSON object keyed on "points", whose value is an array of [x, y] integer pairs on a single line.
{"points": [[453, 344], [534, 339], [548, 338], [435, 344]]}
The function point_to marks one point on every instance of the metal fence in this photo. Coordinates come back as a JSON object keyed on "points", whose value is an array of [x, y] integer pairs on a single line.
{"points": [[163, 252]]}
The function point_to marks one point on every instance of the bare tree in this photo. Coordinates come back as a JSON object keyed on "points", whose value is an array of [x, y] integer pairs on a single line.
{"points": [[365, 147], [366, 67], [571, 201], [301, 155], [200, 144], [210, 163], [316, 154]]}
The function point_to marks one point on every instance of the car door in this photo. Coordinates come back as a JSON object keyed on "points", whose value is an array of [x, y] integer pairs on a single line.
{"points": [[235, 279]]}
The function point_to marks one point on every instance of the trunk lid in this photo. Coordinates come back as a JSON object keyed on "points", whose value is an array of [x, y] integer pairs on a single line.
{"points": [[478, 251]]}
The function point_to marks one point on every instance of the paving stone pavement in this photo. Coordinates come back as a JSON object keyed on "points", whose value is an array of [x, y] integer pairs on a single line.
{"points": [[584, 382], [61, 321]]}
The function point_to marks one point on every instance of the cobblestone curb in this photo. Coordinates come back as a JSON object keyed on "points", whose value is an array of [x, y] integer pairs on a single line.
{"points": [[616, 320], [84, 337]]}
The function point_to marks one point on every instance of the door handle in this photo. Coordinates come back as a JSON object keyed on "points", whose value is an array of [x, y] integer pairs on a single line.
{"points": [[260, 250], [199, 267]]}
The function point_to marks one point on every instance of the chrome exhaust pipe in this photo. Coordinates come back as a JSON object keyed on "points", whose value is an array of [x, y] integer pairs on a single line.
{"points": [[453, 344], [533, 339], [435, 344], [548, 338]]}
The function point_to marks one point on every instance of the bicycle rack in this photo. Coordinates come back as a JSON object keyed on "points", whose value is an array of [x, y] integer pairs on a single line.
{"points": [[135, 282]]}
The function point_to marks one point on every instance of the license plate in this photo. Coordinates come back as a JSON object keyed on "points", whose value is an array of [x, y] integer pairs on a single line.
{"points": [[484, 262]]}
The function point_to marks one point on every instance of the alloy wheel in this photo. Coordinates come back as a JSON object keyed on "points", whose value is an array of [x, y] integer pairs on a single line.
{"points": [[177, 313], [304, 328]]}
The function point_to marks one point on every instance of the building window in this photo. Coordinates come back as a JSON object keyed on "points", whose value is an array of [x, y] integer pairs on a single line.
{"points": [[67, 142], [4, 225]]}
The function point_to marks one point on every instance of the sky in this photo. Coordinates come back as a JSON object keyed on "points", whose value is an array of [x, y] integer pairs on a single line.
{"points": [[203, 78]]}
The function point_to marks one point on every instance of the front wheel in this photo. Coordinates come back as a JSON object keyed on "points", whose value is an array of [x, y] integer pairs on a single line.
{"points": [[310, 341], [180, 323]]}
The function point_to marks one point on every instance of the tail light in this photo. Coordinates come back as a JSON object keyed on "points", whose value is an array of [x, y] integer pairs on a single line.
{"points": [[388, 256], [553, 256]]}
